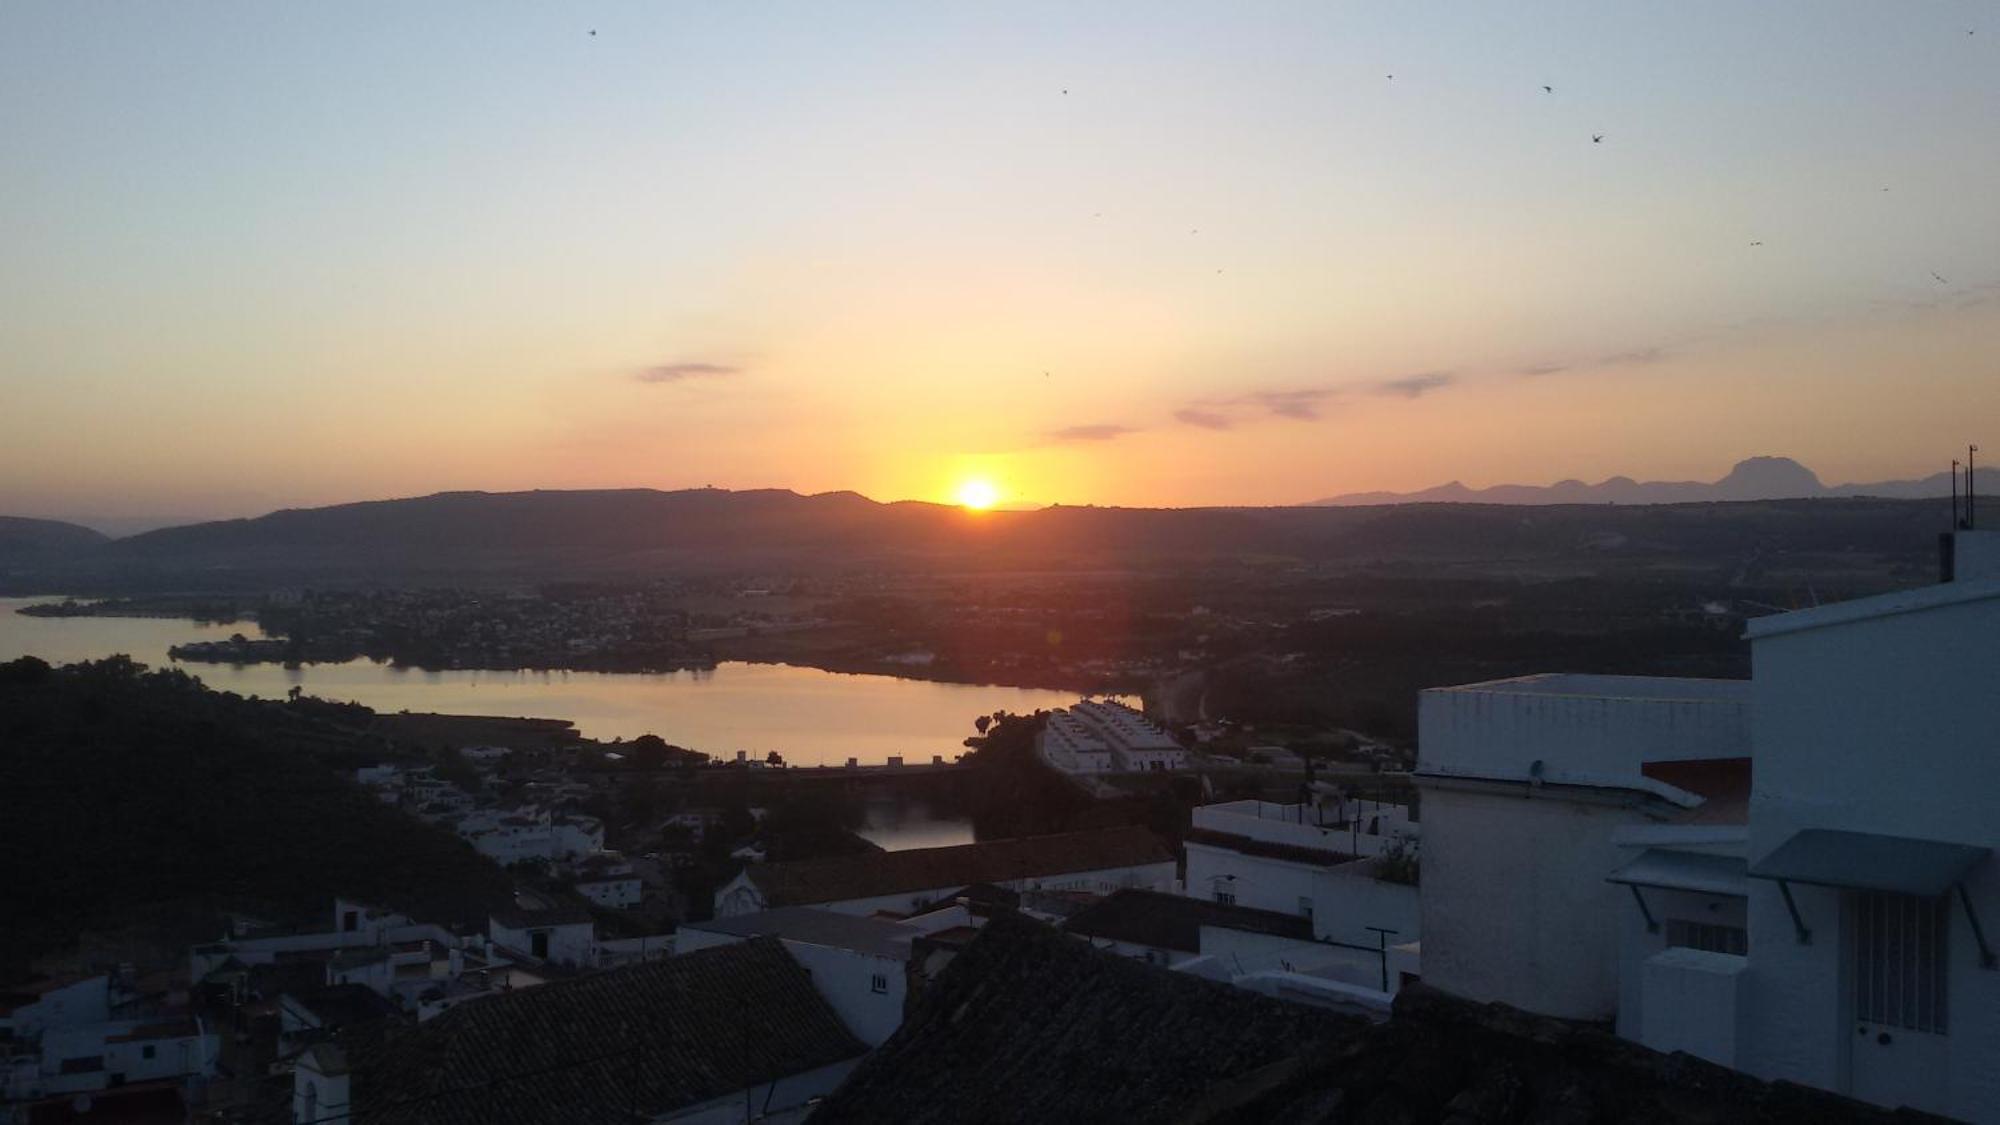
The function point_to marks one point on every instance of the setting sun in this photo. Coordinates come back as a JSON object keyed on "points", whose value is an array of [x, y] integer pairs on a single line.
{"points": [[978, 494]]}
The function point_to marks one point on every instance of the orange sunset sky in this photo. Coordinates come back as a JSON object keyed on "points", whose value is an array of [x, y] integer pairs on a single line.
{"points": [[1119, 254]]}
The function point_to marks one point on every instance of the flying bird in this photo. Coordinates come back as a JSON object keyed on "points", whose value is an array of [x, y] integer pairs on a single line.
{"points": [[1548, 89], [593, 33], [1940, 280], [1756, 244], [1597, 138], [1392, 78]]}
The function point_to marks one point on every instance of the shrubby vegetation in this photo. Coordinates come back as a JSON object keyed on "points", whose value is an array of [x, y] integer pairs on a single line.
{"points": [[126, 793]]}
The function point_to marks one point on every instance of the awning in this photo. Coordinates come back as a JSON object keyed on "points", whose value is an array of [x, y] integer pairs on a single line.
{"points": [[1685, 871], [1863, 861]]}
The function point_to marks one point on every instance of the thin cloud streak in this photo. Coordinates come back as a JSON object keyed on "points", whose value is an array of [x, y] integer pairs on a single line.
{"points": [[1416, 386], [681, 372], [1103, 431], [1204, 419], [1302, 405]]}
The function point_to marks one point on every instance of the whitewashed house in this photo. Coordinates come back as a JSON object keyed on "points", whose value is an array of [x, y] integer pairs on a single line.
{"points": [[608, 879], [60, 1038], [906, 882], [1067, 744], [860, 965], [1528, 784], [1824, 914], [557, 933], [1874, 901]]}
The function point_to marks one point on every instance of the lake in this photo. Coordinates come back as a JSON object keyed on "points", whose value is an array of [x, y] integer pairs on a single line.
{"points": [[810, 716]]}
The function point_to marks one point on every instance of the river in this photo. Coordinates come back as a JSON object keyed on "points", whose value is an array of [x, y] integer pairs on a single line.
{"points": [[810, 716]]}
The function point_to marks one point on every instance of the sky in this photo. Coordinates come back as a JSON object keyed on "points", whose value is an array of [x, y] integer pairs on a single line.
{"points": [[1159, 254]]}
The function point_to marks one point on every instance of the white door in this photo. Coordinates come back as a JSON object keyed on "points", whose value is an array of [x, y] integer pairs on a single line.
{"points": [[1901, 968]]}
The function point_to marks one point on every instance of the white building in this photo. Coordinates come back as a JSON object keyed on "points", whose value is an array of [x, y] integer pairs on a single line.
{"points": [[1068, 745], [1527, 786], [59, 1038], [1104, 737], [517, 835], [608, 879], [1834, 927], [1874, 905], [905, 882], [555, 933], [860, 965]]}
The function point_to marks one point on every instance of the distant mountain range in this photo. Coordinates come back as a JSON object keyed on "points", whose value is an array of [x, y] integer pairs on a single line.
{"points": [[1758, 478], [525, 537]]}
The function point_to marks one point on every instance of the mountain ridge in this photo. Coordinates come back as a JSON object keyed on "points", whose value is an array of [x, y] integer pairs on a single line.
{"points": [[1753, 478]]}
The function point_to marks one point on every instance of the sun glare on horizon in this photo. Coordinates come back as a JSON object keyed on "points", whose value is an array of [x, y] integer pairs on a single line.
{"points": [[978, 494]]}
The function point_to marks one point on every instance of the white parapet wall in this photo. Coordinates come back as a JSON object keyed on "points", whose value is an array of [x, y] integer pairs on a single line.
{"points": [[1597, 726]]}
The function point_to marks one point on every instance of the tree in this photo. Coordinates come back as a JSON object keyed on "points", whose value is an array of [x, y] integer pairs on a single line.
{"points": [[981, 723]]}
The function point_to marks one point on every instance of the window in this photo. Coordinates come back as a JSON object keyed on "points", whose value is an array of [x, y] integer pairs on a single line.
{"points": [[1226, 898], [1899, 961], [538, 944], [1708, 937], [86, 1065], [1306, 907], [148, 1051], [878, 983]]}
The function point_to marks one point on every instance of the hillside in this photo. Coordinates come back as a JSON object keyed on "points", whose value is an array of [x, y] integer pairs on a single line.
{"points": [[25, 540], [525, 536], [127, 796]]}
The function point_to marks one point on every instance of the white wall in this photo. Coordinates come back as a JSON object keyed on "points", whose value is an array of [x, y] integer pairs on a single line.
{"points": [[615, 893], [1255, 881], [573, 943], [1500, 732], [1514, 906], [1349, 899], [1889, 724], [83, 1002], [1637, 945], [1697, 1002]]}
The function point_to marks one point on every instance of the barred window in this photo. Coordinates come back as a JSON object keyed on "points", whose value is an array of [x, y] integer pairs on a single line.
{"points": [[1900, 961], [1708, 937]]}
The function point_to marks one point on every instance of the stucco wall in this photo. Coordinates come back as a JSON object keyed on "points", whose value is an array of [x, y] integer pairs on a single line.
{"points": [[1514, 903], [1501, 733], [1889, 725], [1255, 881], [1347, 900]]}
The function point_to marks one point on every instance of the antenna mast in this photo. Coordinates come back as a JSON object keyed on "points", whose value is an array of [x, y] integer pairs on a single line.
{"points": [[1971, 505]]}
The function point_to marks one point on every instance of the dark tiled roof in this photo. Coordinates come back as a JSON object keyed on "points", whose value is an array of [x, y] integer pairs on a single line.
{"points": [[1029, 1025], [661, 1036], [1166, 921], [1318, 857], [920, 869]]}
